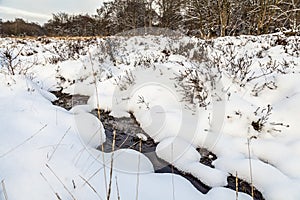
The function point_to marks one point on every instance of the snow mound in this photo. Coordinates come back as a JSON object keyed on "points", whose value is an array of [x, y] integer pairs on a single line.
{"points": [[185, 157]]}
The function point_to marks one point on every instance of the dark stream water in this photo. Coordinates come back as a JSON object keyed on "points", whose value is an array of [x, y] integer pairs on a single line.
{"points": [[126, 129]]}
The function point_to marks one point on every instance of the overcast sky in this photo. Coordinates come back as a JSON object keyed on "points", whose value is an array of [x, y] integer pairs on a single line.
{"points": [[40, 11]]}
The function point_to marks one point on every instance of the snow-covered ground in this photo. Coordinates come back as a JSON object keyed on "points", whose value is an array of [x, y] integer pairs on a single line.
{"points": [[238, 97]]}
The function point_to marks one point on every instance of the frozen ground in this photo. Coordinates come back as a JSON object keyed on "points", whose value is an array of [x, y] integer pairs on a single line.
{"points": [[238, 97]]}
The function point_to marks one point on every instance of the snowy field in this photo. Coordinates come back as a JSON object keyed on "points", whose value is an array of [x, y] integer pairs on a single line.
{"points": [[237, 97]]}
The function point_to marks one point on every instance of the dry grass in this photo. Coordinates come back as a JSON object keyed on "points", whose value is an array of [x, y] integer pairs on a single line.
{"points": [[138, 172], [52, 189], [236, 186], [250, 168], [111, 165], [4, 190], [117, 186], [98, 114], [65, 187], [67, 38], [59, 143], [90, 186], [22, 143]]}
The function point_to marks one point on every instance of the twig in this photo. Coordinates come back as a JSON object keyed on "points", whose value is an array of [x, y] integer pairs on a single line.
{"points": [[86, 181], [59, 143], [92, 163], [118, 192], [236, 186], [14, 148], [98, 112], [141, 100], [111, 165], [250, 167], [120, 146], [77, 157], [65, 187], [4, 190], [74, 185], [98, 170], [172, 168], [138, 172], [52, 189], [94, 174]]}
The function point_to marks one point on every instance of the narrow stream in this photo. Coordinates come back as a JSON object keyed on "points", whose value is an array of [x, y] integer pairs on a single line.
{"points": [[126, 129]]}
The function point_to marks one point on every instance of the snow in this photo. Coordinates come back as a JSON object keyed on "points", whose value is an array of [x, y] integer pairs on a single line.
{"points": [[222, 193], [90, 129], [45, 149], [186, 158]]}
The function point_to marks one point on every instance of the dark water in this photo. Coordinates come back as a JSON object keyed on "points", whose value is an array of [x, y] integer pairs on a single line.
{"points": [[126, 138], [127, 129], [243, 186]]}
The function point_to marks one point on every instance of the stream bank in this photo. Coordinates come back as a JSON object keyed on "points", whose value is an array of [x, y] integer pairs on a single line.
{"points": [[127, 129]]}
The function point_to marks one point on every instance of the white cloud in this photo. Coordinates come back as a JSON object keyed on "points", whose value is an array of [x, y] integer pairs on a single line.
{"points": [[41, 10], [11, 13]]}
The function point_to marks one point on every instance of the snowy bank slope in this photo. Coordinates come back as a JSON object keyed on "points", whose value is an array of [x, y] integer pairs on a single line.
{"points": [[235, 96]]}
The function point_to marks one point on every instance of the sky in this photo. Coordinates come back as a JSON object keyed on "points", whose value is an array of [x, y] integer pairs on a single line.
{"points": [[40, 11]]}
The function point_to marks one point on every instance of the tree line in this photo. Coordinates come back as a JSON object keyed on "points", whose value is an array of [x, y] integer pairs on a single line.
{"points": [[203, 18]]}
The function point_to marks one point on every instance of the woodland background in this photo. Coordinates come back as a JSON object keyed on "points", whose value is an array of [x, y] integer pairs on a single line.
{"points": [[202, 18]]}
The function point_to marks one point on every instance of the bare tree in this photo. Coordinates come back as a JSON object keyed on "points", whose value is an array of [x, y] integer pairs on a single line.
{"points": [[124, 15], [224, 15], [170, 13], [197, 18]]}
